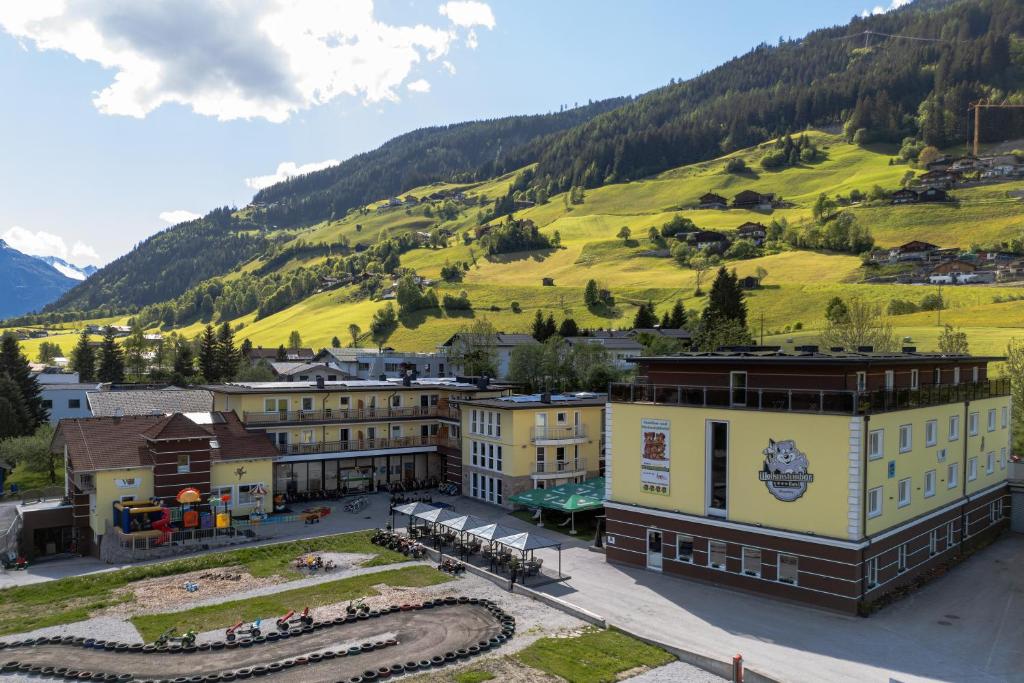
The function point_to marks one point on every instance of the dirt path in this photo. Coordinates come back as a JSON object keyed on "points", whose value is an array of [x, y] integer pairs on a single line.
{"points": [[421, 635]]}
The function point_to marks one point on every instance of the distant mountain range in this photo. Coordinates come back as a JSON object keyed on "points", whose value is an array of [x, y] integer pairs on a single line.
{"points": [[31, 282]]}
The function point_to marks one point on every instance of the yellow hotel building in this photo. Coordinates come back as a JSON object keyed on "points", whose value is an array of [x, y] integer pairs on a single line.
{"points": [[353, 435], [825, 477], [514, 443]]}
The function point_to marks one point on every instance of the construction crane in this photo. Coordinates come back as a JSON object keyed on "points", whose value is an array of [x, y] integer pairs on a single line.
{"points": [[985, 104]]}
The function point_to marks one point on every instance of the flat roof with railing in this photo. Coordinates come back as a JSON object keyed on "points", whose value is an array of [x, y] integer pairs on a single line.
{"points": [[838, 402]]}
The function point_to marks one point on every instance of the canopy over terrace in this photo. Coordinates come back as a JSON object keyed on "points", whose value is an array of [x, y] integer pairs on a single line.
{"points": [[410, 510], [568, 498]]}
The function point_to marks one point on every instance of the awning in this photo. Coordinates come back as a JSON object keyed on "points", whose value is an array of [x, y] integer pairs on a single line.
{"points": [[436, 515], [526, 541], [588, 495], [464, 523], [413, 509], [491, 532]]}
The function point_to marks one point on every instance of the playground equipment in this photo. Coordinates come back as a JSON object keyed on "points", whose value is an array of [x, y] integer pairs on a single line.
{"points": [[143, 519], [240, 629], [171, 637], [285, 622], [357, 607], [190, 586]]}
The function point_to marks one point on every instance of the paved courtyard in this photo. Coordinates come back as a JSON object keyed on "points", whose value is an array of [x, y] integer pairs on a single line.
{"points": [[961, 627]]}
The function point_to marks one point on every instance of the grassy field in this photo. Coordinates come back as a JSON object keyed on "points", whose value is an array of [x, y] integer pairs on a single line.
{"points": [[799, 283], [74, 598], [224, 614], [594, 657]]}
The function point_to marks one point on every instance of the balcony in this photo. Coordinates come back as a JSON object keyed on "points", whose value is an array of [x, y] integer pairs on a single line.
{"points": [[808, 400], [353, 445], [568, 467], [331, 415], [547, 436]]}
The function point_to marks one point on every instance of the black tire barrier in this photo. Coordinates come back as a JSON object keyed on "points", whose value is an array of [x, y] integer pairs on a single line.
{"points": [[369, 675], [89, 642], [379, 644], [203, 647], [260, 670], [425, 663], [365, 647], [484, 645], [463, 600], [245, 642], [362, 616], [189, 649], [110, 646], [451, 601], [259, 639], [473, 650], [148, 649], [35, 669], [135, 647], [125, 677], [244, 673], [211, 678], [462, 653], [24, 668], [356, 679], [315, 657], [217, 645], [354, 650], [374, 613], [338, 621], [60, 671], [228, 676], [494, 641], [271, 637], [274, 667], [295, 631], [11, 665], [301, 661], [500, 638], [231, 644], [449, 657], [307, 629], [384, 672], [437, 660], [54, 640], [412, 666], [161, 648], [328, 654], [288, 663]]}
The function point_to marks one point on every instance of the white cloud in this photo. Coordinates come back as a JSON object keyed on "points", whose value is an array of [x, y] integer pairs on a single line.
{"points": [[286, 170], [420, 85], [878, 9], [471, 40], [235, 59], [468, 14], [178, 216], [42, 243], [449, 67]]}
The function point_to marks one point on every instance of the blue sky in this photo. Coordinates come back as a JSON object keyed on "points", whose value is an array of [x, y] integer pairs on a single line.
{"points": [[201, 104]]}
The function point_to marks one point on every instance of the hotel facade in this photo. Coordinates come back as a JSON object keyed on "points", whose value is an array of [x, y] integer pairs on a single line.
{"points": [[828, 478]]}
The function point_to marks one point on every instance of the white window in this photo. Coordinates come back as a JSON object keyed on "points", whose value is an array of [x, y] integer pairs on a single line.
{"points": [[956, 375], [906, 438], [862, 381], [933, 542], [992, 420], [490, 423], [875, 502], [937, 376], [684, 548], [904, 493], [972, 468], [995, 511], [940, 455], [914, 379], [901, 560], [974, 374], [1002, 458], [716, 554], [872, 571], [1005, 417], [929, 483], [498, 459], [475, 491], [876, 441], [473, 459], [890, 379], [954, 427], [307, 403], [952, 475], [931, 432], [788, 569], [990, 462], [183, 464], [972, 424], [497, 424], [751, 561], [472, 423], [561, 418], [950, 535]]}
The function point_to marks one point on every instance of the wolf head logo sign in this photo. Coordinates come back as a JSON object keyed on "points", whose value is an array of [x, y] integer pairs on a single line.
{"points": [[785, 470]]}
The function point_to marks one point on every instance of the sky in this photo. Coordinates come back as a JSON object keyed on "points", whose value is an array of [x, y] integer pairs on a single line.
{"points": [[121, 118]]}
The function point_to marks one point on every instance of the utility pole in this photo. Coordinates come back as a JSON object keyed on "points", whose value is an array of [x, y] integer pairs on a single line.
{"points": [[762, 328], [977, 107], [939, 312]]}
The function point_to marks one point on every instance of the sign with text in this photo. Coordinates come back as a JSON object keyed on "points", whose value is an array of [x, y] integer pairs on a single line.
{"points": [[655, 455]]}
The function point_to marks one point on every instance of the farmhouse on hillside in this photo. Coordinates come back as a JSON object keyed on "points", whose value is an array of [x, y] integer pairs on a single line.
{"points": [[749, 199], [710, 200], [755, 232]]}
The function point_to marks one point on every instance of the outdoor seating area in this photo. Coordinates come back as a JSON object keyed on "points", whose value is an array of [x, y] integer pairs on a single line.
{"points": [[499, 549], [567, 499]]}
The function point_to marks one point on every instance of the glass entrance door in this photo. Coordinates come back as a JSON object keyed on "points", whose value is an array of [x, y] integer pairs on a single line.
{"points": [[717, 439], [654, 556]]}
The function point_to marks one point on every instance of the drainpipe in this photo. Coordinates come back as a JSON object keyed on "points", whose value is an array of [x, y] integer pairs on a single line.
{"points": [[965, 431], [864, 500]]}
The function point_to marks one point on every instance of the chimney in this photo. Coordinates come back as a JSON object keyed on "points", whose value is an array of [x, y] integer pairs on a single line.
{"points": [[383, 378], [407, 380], [319, 381], [545, 397], [118, 414]]}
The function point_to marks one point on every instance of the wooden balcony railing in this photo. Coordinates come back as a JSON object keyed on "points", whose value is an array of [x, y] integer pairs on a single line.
{"points": [[367, 444]]}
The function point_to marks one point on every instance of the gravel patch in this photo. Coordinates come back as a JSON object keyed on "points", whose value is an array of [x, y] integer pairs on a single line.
{"points": [[675, 672]]}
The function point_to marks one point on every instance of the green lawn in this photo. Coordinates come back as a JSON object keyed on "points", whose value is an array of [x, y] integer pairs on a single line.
{"points": [[594, 657], [26, 479], [473, 677], [227, 613], [73, 598]]}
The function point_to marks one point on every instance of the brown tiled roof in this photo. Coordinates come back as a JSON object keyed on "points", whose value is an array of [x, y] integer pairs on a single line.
{"points": [[103, 443]]}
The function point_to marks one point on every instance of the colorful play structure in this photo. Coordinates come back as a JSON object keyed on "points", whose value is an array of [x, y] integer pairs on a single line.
{"points": [[143, 519]]}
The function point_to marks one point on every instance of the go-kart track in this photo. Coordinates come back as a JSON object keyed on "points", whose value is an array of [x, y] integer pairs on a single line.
{"points": [[367, 647]]}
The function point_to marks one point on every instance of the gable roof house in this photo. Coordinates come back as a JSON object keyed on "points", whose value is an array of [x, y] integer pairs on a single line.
{"points": [[504, 344], [259, 353], [915, 250], [709, 240], [153, 457], [904, 196], [933, 194], [149, 402], [749, 199], [710, 200], [755, 232]]}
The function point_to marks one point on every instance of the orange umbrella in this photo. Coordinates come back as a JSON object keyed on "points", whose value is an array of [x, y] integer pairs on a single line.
{"points": [[189, 495]]}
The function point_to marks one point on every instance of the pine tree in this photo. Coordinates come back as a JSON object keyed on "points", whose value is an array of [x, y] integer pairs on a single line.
{"points": [[111, 359], [83, 359], [227, 354], [591, 295], [677, 320], [645, 317], [208, 357], [537, 330], [282, 354], [725, 301], [134, 351], [550, 328], [665, 321], [16, 366], [184, 361], [15, 417], [568, 328], [335, 342]]}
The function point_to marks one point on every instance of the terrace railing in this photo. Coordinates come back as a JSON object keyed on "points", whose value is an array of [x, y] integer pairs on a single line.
{"points": [[840, 402], [559, 433], [559, 466], [367, 444], [338, 415]]}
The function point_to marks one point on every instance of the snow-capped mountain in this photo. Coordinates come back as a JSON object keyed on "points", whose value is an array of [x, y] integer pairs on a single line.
{"points": [[68, 269], [28, 283]]}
